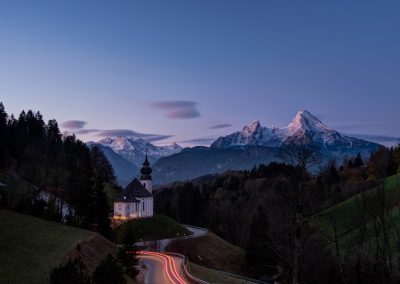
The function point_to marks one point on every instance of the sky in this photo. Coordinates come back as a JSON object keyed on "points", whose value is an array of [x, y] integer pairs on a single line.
{"points": [[190, 71]]}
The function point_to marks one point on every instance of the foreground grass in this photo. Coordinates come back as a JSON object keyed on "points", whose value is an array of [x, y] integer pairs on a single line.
{"points": [[30, 247], [213, 276], [211, 251], [346, 214], [155, 228]]}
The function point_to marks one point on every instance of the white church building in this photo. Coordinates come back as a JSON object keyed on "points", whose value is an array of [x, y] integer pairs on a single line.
{"points": [[136, 200]]}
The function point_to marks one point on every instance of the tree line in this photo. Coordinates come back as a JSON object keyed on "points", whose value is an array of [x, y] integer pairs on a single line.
{"points": [[270, 211], [39, 159]]}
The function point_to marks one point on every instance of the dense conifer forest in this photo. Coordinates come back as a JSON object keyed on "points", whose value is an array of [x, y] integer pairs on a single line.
{"points": [[338, 226], [46, 172]]}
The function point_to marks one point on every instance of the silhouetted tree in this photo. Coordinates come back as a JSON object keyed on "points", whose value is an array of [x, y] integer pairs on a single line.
{"points": [[74, 271], [127, 252], [259, 254], [103, 171], [109, 272], [300, 152]]}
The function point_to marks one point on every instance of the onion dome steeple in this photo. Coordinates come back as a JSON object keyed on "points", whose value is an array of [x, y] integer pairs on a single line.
{"points": [[146, 169]]}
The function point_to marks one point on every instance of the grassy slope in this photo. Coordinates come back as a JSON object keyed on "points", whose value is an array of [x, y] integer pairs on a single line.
{"points": [[211, 251], [212, 276], [346, 212], [30, 246], [15, 187], [158, 227], [346, 215]]}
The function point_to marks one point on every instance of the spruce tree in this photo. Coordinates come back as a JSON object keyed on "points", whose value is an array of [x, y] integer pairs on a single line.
{"points": [[109, 272], [358, 161], [102, 211], [74, 271], [259, 255], [3, 135], [127, 252]]}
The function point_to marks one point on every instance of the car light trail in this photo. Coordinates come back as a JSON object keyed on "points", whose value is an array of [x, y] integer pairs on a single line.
{"points": [[170, 266]]}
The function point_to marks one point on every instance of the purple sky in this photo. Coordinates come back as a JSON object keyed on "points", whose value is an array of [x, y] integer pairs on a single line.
{"points": [[190, 71]]}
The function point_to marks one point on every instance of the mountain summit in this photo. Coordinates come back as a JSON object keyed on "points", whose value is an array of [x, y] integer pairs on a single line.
{"points": [[255, 145], [133, 149], [303, 125]]}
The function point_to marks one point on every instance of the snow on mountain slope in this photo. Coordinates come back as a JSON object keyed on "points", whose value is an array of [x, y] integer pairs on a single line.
{"points": [[133, 149], [304, 125]]}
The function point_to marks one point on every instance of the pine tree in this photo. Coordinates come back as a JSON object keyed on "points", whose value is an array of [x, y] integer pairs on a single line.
{"points": [[127, 252], [102, 211], [103, 170], [74, 271], [358, 161], [259, 255], [109, 272], [3, 135]]}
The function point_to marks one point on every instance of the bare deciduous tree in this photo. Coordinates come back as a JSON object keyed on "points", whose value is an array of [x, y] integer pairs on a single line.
{"points": [[300, 152]]}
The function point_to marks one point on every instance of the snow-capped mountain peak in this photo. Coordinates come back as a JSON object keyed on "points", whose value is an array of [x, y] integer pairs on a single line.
{"points": [[305, 121], [252, 127], [134, 149], [303, 125]]}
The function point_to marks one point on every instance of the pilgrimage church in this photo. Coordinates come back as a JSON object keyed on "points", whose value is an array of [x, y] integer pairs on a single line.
{"points": [[136, 200]]}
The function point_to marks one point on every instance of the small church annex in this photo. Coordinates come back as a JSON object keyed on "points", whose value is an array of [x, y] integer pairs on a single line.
{"points": [[136, 200]]}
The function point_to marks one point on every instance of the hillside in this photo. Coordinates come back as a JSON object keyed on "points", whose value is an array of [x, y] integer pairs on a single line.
{"points": [[155, 228], [345, 217], [211, 251], [30, 246]]}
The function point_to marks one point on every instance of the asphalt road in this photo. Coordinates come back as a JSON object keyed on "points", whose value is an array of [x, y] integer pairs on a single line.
{"points": [[160, 245], [161, 268]]}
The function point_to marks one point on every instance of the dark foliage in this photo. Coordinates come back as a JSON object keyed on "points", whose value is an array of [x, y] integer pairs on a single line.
{"points": [[109, 272], [74, 271], [61, 171], [278, 237], [127, 252]]}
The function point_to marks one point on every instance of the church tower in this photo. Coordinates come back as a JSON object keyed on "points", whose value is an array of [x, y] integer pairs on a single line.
{"points": [[145, 178]]}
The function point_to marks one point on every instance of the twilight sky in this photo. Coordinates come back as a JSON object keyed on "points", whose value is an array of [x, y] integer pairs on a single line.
{"points": [[189, 71]]}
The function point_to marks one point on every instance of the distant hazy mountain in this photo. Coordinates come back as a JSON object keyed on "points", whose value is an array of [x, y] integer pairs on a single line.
{"points": [[256, 144], [126, 155], [125, 171], [198, 161]]}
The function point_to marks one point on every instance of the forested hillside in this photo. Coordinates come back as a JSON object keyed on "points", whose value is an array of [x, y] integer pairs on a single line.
{"points": [[270, 211], [46, 172]]}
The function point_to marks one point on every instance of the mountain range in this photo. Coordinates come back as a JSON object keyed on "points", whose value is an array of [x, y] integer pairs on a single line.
{"points": [[304, 125], [253, 145], [126, 154]]}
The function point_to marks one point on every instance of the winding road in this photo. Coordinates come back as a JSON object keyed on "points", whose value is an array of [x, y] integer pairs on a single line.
{"points": [[162, 268]]}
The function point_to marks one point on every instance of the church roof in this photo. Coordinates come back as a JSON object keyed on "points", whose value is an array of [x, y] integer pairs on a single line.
{"points": [[123, 198], [136, 189]]}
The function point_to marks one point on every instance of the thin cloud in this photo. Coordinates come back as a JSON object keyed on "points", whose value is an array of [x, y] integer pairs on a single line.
{"points": [[74, 124], [177, 109], [199, 141], [86, 131], [219, 126], [351, 126], [127, 132], [376, 138]]}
